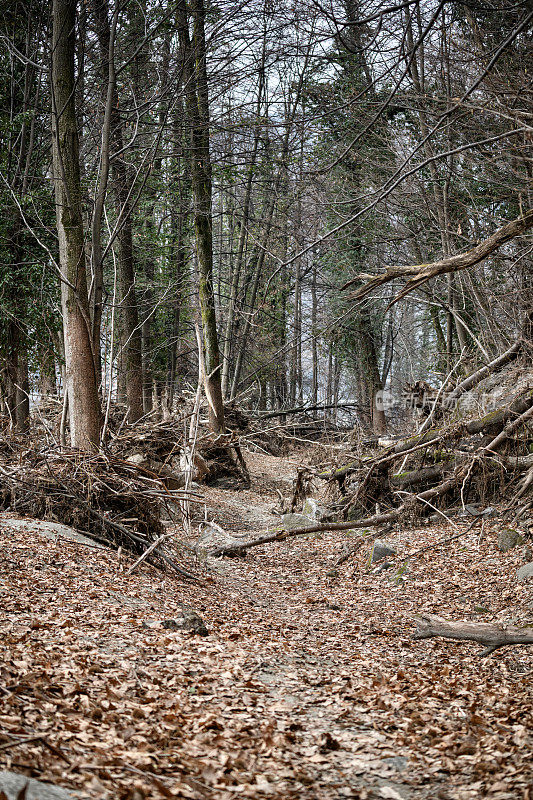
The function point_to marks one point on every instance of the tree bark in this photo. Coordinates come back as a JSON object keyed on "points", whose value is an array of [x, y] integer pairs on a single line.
{"points": [[197, 101], [80, 371], [130, 330]]}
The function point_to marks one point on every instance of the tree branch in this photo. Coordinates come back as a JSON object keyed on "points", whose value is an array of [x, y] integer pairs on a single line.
{"points": [[492, 636], [424, 272]]}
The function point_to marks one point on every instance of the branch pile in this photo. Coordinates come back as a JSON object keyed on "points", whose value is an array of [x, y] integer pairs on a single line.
{"points": [[480, 460], [111, 501]]}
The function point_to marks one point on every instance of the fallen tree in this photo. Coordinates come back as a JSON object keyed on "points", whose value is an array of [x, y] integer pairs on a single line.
{"points": [[479, 459], [492, 636], [377, 520]]}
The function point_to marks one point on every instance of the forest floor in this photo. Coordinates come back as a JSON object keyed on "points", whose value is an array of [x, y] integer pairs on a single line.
{"points": [[308, 685]]}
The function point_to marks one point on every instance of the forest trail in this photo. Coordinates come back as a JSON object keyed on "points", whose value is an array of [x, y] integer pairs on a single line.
{"points": [[307, 686]]}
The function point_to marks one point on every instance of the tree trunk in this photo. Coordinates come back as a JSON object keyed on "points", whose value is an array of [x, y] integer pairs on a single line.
{"points": [[492, 636], [130, 330], [79, 361], [195, 80]]}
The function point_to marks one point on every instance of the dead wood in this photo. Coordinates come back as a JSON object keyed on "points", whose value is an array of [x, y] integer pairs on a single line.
{"points": [[420, 273], [480, 457], [109, 500], [422, 475], [476, 377], [327, 527], [492, 636], [305, 409]]}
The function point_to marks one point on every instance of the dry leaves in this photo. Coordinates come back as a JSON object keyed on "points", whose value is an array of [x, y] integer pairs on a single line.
{"points": [[306, 687]]}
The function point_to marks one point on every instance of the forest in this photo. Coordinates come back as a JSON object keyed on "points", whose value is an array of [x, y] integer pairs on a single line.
{"points": [[266, 399]]}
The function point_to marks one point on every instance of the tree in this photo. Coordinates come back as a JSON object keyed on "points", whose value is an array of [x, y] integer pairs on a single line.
{"points": [[193, 52], [80, 370]]}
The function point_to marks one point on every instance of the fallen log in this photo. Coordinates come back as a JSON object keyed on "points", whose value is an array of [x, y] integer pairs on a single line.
{"points": [[492, 422], [330, 527], [495, 420], [415, 476], [476, 377], [491, 635], [304, 409]]}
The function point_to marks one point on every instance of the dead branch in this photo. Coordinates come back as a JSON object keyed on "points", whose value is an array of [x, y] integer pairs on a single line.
{"points": [[476, 377], [424, 272], [492, 636], [329, 527]]}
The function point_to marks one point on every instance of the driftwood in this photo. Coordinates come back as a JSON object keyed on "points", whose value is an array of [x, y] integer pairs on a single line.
{"points": [[492, 636]]}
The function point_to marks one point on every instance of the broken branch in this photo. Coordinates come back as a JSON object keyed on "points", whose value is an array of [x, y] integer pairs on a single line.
{"points": [[420, 273], [491, 635]]}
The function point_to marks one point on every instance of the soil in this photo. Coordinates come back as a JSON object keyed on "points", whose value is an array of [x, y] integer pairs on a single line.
{"points": [[308, 685]]}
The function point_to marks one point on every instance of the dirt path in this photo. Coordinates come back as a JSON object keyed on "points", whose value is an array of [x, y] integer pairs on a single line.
{"points": [[308, 685]]}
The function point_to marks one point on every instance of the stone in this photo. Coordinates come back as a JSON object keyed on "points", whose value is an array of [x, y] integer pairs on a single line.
{"points": [[381, 550], [51, 530], [213, 537], [490, 512], [509, 538], [525, 573], [291, 522], [12, 786], [311, 509], [470, 510], [188, 621], [316, 512], [396, 762], [138, 460]]}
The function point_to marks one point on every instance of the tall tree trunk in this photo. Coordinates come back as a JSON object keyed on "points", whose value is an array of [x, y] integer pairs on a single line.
{"points": [[370, 371], [79, 360], [243, 232], [129, 327], [195, 80], [314, 341]]}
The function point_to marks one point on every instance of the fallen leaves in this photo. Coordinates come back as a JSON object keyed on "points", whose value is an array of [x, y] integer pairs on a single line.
{"points": [[306, 687]]}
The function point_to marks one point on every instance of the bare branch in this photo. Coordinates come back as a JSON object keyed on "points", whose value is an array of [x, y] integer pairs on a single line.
{"points": [[421, 273]]}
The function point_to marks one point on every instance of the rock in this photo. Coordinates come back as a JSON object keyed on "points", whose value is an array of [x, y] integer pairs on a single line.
{"points": [[12, 786], [139, 460], [470, 510], [51, 530], [525, 573], [527, 553], [381, 550], [189, 621], [291, 522], [489, 512], [213, 537], [311, 509], [316, 512], [509, 538], [395, 762]]}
